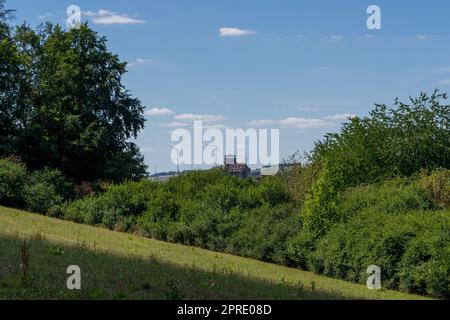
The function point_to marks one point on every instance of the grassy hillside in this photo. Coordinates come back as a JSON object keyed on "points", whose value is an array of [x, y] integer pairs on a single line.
{"points": [[123, 266]]}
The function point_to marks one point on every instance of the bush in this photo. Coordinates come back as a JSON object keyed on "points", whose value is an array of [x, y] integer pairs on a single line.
{"points": [[46, 189], [320, 208], [299, 249], [12, 181], [40, 197], [402, 139], [437, 187], [263, 233], [425, 266], [399, 245], [118, 207], [396, 196], [162, 210]]}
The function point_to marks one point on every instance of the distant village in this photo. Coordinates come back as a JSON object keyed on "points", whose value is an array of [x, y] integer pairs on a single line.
{"points": [[240, 170]]}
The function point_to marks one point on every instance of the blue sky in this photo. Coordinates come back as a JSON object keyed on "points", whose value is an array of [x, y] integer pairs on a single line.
{"points": [[300, 66]]}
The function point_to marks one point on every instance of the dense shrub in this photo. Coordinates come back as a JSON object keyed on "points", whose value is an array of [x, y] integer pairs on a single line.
{"points": [[41, 197], [300, 247], [118, 207], [399, 195], [399, 245], [319, 211], [437, 187], [325, 206], [300, 178], [425, 266], [162, 210], [401, 140], [263, 233], [12, 180], [46, 189]]}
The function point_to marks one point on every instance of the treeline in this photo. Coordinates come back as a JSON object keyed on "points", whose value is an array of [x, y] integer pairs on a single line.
{"points": [[63, 104]]}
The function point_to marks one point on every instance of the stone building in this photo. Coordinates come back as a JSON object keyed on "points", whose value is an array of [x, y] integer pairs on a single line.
{"points": [[240, 170]]}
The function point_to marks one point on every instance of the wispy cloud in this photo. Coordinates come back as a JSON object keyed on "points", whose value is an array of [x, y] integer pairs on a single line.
{"points": [[303, 123], [307, 109], [335, 38], [443, 82], [216, 126], [299, 123], [159, 112], [423, 75], [45, 16], [341, 117], [107, 17], [323, 68], [139, 61], [234, 32], [174, 125], [366, 36], [262, 123], [414, 80], [200, 117], [423, 37]]}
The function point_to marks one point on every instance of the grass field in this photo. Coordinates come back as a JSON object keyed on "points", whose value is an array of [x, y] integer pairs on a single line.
{"points": [[123, 266]]}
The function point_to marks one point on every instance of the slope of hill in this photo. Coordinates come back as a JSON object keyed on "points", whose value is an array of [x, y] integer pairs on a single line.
{"points": [[124, 266]]}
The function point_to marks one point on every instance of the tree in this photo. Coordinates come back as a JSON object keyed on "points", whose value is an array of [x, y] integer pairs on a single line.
{"points": [[74, 112], [5, 14], [9, 79], [398, 140], [392, 141]]}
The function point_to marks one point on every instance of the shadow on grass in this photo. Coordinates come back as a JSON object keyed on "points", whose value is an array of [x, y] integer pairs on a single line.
{"points": [[107, 276]]}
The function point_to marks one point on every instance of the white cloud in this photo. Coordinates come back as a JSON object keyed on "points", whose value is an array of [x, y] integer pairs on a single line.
{"points": [[159, 112], [235, 32], [216, 126], [443, 82], [45, 16], [366, 36], [406, 82], [341, 117], [174, 125], [423, 37], [335, 37], [323, 68], [262, 123], [307, 109], [302, 123], [139, 61], [107, 17], [89, 13], [199, 117], [298, 123]]}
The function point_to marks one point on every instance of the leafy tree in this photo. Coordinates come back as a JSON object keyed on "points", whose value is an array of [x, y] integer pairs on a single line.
{"points": [[399, 140], [69, 109], [9, 73], [5, 14]]}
